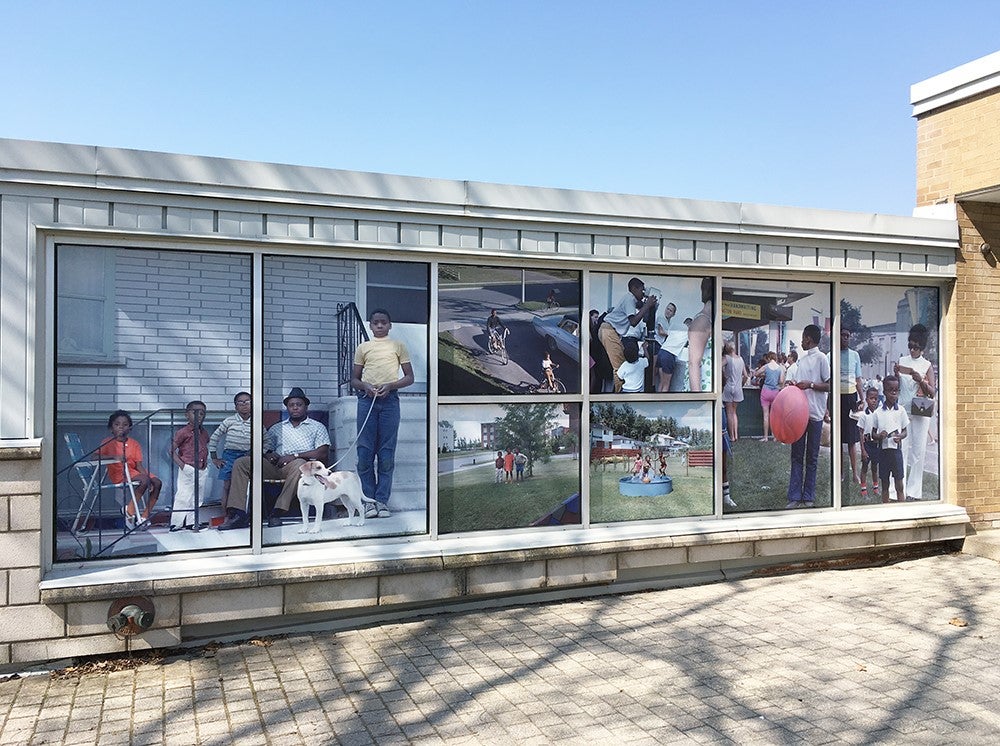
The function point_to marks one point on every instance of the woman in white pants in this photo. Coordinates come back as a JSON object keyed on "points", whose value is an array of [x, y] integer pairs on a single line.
{"points": [[916, 378]]}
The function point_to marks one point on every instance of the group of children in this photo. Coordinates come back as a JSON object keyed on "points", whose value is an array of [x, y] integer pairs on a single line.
{"points": [[190, 449], [642, 467], [510, 466], [882, 427]]}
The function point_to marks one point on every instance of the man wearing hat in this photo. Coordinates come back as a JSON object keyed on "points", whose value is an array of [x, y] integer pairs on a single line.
{"points": [[287, 445]]}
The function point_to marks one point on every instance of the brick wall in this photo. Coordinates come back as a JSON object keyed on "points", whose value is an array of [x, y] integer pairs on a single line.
{"points": [[300, 324], [977, 431], [182, 331], [958, 149]]}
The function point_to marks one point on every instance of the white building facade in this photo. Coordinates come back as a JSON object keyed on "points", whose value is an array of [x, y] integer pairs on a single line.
{"points": [[142, 281]]}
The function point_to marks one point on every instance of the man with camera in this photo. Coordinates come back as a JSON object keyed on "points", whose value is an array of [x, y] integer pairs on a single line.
{"points": [[623, 321]]}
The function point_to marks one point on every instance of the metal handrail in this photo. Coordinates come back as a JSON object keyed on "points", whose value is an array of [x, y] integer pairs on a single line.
{"points": [[350, 333]]}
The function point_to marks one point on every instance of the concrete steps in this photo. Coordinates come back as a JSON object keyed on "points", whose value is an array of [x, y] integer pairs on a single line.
{"points": [[409, 484]]}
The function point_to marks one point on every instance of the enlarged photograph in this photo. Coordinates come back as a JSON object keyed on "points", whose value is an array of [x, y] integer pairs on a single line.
{"points": [[508, 466], [650, 460], [508, 331], [889, 374], [776, 393], [650, 333]]}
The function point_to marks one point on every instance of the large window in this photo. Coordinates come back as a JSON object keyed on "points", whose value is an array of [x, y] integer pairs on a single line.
{"points": [[318, 315], [776, 389], [177, 326], [889, 339], [663, 418]]}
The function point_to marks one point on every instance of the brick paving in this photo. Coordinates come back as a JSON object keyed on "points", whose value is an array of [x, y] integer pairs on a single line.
{"points": [[837, 656]]}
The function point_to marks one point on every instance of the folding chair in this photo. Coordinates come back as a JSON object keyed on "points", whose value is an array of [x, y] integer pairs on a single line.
{"points": [[94, 478]]}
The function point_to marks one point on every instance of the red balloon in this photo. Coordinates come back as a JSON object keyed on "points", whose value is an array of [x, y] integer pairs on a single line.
{"points": [[789, 414]]}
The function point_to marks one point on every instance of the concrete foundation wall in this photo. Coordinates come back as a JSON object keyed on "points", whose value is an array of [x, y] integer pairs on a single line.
{"points": [[70, 619]]}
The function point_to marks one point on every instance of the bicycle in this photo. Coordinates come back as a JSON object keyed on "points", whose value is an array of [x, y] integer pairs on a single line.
{"points": [[498, 345], [550, 299], [555, 387]]}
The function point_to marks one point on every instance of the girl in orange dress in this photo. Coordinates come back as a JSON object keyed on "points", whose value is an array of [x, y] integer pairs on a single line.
{"points": [[112, 450]]}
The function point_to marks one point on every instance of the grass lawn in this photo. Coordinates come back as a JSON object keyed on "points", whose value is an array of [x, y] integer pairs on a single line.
{"points": [[758, 476], [469, 500], [691, 495]]}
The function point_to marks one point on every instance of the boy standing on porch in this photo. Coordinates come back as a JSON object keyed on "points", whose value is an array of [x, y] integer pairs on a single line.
{"points": [[189, 451], [376, 377]]}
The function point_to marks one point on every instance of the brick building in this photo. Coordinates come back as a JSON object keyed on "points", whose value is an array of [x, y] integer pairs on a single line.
{"points": [[143, 280], [958, 175]]}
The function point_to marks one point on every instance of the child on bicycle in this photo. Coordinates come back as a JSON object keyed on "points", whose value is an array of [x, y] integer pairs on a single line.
{"points": [[495, 329], [548, 368]]}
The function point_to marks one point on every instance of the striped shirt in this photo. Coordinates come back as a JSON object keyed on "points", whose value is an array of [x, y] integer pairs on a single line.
{"points": [[236, 432]]}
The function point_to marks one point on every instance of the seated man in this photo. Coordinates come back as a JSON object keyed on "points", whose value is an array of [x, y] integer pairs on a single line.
{"points": [[287, 445]]}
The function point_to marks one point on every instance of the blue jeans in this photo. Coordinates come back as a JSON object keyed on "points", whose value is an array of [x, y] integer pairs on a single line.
{"points": [[805, 453], [377, 442]]}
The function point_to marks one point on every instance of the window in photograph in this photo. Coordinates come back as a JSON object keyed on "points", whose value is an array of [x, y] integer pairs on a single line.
{"points": [[345, 416], [776, 390], [508, 331], [889, 362], [508, 466], [650, 333], [650, 460], [86, 287], [139, 463]]}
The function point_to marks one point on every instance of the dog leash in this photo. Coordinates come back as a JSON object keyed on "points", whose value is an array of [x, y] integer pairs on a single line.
{"points": [[357, 437]]}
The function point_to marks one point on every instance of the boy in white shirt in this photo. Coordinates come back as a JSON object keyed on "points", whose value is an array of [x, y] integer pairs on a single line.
{"points": [[632, 372], [890, 425], [871, 451]]}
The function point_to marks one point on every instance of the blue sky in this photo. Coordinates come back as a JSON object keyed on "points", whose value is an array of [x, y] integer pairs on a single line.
{"points": [[792, 103]]}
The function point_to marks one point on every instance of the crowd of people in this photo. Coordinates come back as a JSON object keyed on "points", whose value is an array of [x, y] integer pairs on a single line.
{"points": [[637, 345], [886, 424]]}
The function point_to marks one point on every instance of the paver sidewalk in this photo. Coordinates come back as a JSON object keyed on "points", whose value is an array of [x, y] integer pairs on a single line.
{"points": [[853, 656]]}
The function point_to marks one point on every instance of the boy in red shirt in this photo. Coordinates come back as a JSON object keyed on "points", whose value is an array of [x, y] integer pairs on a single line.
{"points": [[190, 444]]}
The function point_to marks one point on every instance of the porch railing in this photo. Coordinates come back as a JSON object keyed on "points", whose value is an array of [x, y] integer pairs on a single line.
{"points": [[350, 333]]}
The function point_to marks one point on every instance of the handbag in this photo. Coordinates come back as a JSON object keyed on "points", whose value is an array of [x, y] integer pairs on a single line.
{"points": [[922, 406]]}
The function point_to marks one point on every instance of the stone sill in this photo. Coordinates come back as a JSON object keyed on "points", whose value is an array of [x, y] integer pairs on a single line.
{"points": [[23, 449], [153, 576]]}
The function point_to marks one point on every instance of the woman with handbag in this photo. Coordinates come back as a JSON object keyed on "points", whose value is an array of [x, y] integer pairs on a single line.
{"points": [[917, 389]]}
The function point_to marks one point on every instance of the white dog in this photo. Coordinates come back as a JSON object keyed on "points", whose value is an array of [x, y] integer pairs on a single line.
{"points": [[319, 486]]}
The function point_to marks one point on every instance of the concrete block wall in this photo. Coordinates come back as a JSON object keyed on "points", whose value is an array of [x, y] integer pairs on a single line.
{"points": [[194, 604], [72, 619], [22, 616]]}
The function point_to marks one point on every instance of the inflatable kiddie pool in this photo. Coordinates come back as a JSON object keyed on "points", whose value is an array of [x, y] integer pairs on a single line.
{"points": [[635, 487]]}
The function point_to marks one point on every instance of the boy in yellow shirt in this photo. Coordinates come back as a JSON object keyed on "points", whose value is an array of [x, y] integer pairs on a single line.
{"points": [[376, 377]]}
